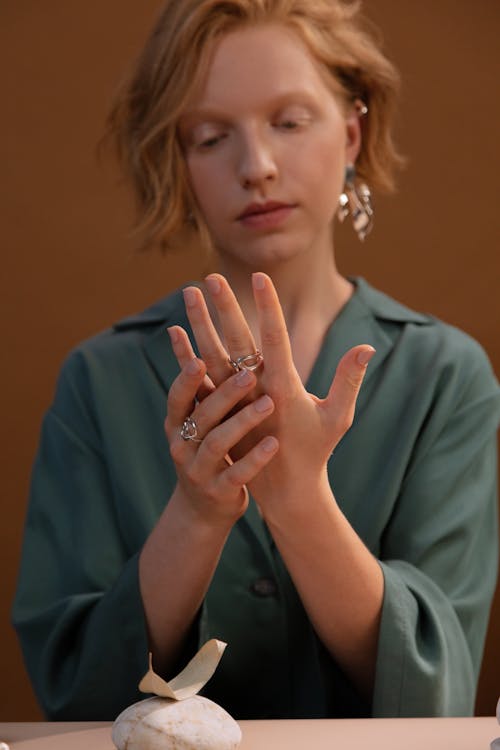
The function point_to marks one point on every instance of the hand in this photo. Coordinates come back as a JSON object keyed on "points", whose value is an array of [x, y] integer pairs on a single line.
{"points": [[307, 428], [212, 486]]}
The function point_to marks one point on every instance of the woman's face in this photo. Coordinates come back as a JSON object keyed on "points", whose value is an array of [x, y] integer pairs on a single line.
{"points": [[266, 144]]}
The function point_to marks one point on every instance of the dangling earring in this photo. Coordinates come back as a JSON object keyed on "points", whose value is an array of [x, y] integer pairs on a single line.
{"points": [[357, 202]]}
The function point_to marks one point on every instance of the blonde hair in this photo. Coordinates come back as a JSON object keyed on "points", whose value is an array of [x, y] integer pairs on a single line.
{"points": [[143, 120]]}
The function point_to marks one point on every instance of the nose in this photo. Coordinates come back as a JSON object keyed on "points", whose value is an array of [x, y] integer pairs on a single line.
{"points": [[257, 162]]}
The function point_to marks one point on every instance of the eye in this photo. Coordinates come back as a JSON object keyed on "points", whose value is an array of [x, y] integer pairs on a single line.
{"points": [[294, 118], [205, 136], [211, 142]]}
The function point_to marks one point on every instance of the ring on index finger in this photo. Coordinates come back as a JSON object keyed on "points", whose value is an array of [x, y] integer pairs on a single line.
{"points": [[189, 430], [247, 361]]}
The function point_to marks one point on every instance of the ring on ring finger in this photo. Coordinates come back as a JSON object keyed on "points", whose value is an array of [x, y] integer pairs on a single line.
{"points": [[189, 430], [247, 361]]}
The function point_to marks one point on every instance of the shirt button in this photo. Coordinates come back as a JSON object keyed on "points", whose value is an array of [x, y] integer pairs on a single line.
{"points": [[264, 587]]}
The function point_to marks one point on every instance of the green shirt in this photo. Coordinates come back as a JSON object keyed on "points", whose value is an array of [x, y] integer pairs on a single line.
{"points": [[415, 476]]}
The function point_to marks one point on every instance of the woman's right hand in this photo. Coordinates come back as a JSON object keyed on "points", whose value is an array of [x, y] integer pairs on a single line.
{"points": [[181, 553], [211, 486]]}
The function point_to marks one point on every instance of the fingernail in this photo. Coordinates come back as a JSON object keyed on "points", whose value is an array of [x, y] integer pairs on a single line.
{"points": [[365, 356], [264, 403], [174, 336], [269, 444], [189, 297], [243, 378], [213, 284], [259, 280], [193, 367]]}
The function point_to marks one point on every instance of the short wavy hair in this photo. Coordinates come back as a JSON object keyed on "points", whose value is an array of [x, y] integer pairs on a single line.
{"points": [[143, 121]]}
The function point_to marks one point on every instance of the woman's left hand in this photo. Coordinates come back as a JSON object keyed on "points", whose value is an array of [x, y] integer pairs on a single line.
{"points": [[308, 428]]}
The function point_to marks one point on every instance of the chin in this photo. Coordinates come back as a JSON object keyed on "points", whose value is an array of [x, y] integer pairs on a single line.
{"points": [[266, 252]]}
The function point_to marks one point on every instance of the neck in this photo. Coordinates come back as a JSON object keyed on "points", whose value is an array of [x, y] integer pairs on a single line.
{"points": [[304, 287], [311, 290]]}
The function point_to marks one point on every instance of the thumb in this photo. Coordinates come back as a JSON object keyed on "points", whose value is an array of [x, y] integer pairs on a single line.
{"points": [[340, 403]]}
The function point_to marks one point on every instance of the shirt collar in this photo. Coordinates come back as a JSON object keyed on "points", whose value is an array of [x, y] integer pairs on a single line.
{"points": [[377, 303], [357, 323]]}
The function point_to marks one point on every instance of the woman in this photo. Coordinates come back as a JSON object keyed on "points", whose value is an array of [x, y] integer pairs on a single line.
{"points": [[349, 570]]}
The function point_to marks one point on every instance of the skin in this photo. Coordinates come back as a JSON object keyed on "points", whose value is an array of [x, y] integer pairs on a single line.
{"points": [[265, 126]]}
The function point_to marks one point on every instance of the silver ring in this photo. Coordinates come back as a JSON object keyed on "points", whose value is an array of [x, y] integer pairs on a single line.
{"points": [[247, 362], [189, 430]]}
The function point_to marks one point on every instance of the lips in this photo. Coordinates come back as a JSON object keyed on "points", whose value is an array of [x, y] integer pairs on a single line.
{"points": [[258, 209]]}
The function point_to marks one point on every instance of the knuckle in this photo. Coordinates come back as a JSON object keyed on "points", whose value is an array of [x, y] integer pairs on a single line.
{"points": [[258, 458], [212, 361], [272, 337], [177, 451], [212, 493], [192, 475], [246, 418], [213, 444], [171, 394], [237, 342], [232, 478], [282, 397], [248, 415], [352, 379], [175, 391]]}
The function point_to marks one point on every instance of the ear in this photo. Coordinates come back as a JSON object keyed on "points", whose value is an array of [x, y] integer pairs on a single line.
{"points": [[353, 133]]}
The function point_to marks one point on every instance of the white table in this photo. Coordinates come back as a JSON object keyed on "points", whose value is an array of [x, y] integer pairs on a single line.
{"points": [[298, 734]]}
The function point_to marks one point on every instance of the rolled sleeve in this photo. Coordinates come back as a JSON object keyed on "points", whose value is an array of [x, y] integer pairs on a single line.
{"points": [[439, 559]]}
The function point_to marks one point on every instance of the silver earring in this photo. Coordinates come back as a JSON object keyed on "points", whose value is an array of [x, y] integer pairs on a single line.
{"points": [[356, 201]]}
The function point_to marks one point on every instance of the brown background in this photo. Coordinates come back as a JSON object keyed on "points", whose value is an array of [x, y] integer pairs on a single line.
{"points": [[69, 267]]}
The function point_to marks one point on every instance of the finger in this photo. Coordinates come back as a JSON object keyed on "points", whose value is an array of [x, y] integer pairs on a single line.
{"points": [[274, 335], [211, 349], [340, 403], [182, 394], [181, 345], [183, 351], [238, 337], [242, 472], [219, 404], [219, 441]]}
